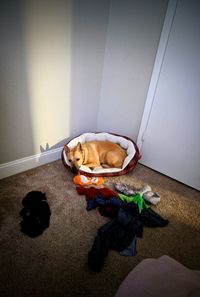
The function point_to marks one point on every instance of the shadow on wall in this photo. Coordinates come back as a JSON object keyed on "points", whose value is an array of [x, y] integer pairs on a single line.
{"points": [[89, 21], [58, 145], [35, 76], [51, 71], [48, 32], [89, 29], [15, 115]]}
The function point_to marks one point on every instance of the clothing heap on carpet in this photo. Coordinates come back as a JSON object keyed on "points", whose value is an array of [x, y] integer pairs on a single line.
{"points": [[128, 210], [35, 213], [129, 214]]}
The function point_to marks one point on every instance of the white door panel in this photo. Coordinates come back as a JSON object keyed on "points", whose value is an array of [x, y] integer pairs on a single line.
{"points": [[171, 142]]}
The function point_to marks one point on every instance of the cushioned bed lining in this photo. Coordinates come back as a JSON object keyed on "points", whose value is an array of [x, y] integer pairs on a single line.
{"points": [[126, 143]]}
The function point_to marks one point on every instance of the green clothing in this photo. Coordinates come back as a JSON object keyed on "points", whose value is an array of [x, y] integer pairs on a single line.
{"points": [[136, 199]]}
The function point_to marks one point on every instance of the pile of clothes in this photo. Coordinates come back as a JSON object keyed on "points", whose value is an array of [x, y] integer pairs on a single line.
{"points": [[129, 212], [35, 214]]}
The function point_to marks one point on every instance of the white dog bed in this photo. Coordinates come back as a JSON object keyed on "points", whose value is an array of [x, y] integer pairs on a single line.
{"points": [[126, 143]]}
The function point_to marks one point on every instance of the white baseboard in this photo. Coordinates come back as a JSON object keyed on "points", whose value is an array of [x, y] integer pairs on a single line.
{"points": [[17, 166]]}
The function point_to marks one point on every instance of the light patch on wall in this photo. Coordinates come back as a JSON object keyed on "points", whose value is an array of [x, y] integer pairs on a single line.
{"points": [[48, 53]]}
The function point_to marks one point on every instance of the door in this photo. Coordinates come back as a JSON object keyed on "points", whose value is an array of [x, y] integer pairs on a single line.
{"points": [[169, 137]]}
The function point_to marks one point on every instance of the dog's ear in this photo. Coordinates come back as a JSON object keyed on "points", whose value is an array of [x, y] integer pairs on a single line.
{"points": [[66, 148], [79, 147]]}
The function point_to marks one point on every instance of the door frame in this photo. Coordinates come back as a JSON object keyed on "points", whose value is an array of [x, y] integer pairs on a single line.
{"points": [[169, 17]]}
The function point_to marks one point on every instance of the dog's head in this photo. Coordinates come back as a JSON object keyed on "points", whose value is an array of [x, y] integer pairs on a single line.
{"points": [[74, 156]]}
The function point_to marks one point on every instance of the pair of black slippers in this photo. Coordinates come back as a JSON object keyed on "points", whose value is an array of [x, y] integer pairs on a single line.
{"points": [[36, 214]]}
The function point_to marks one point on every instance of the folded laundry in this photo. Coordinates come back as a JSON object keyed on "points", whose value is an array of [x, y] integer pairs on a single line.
{"points": [[36, 214]]}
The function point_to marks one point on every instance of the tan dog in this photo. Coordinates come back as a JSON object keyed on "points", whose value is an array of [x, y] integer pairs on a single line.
{"points": [[95, 153]]}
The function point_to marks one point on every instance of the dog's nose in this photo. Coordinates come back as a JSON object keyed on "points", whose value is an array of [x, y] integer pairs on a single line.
{"points": [[74, 170]]}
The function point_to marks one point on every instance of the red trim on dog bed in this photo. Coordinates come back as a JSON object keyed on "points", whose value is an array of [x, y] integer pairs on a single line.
{"points": [[131, 165]]}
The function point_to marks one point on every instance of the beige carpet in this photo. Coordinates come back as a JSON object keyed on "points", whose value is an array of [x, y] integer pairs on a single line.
{"points": [[55, 263]]}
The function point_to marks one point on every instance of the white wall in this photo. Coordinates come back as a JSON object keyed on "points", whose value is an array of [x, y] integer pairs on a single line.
{"points": [[51, 71], [47, 41], [16, 137], [71, 66], [35, 81], [90, 20], [133, 34]]}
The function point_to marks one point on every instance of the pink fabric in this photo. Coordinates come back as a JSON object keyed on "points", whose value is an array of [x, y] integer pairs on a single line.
{"points": [[162, 277]]}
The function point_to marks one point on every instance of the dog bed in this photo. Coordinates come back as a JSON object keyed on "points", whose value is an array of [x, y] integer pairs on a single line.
{"points": [[126, 143]]}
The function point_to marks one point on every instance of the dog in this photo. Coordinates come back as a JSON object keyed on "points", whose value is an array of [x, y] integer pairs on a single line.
{"points": [[94, 154]]}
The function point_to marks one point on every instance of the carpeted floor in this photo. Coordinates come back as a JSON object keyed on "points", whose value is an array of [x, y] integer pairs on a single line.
{"points": [[55, 263]]}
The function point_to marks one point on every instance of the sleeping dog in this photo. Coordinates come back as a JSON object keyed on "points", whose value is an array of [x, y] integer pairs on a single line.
{"points": [[94, 154]]}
